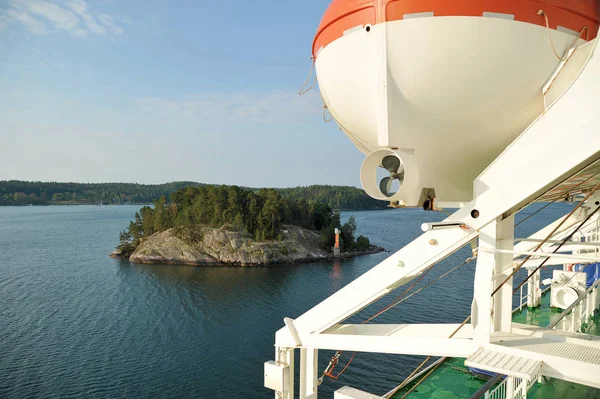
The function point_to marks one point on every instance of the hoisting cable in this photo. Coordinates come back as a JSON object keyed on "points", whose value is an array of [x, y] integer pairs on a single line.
{"points": [[557, 248], [556, 199], [302, 89], [545, 240], [538, 211], [468, 260]]}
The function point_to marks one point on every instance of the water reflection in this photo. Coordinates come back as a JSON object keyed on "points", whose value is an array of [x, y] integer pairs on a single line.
{"points": [[76, 323]]}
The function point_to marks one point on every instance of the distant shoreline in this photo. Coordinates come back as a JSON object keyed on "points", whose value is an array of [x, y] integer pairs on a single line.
{"points": [[74, 203], [150, 204], [24, 193]]}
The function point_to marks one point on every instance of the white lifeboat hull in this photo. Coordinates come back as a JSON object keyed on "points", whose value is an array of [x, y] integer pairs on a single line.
{"points": [[447, 94]]}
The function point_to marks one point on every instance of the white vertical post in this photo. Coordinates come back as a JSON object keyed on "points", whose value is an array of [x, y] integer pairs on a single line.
{"points": [[533, 289], [308, 373], [524, 388], [510, 387], [489, 273], [286, 356], [502, 301], [588, 310]]}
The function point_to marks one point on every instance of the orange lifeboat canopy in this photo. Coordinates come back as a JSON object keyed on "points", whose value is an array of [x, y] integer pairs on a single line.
{"points": [[345, 15]]}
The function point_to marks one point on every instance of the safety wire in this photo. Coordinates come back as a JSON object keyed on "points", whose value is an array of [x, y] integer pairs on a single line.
{"points": [[325, 118], [304, 89], [563, 58]]}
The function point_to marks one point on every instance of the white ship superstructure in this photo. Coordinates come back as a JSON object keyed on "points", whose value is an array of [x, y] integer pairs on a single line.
{"points": [[485, 107]]}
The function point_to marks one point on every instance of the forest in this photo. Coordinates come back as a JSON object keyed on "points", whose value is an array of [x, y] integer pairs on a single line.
{"points": [[261, 214], [15, 192]]}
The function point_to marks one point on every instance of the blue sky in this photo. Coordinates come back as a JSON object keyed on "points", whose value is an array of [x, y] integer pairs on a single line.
{"points": [[156, 91]]}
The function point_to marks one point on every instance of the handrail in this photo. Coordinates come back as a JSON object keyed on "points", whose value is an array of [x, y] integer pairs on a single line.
{"points": [[419, 374], [568, 310], [483, 390]]}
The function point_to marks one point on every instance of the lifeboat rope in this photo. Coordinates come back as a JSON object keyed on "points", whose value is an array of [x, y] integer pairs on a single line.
{"points": [[325, 109], [303, 89], [565, 56]]}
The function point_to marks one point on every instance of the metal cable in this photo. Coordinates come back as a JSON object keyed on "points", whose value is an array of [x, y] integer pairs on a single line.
{"points": [[545, 240], [556, 250]]}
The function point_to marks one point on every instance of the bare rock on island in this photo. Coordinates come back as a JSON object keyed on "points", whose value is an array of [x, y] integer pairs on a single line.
{"points": [[209, 246]]}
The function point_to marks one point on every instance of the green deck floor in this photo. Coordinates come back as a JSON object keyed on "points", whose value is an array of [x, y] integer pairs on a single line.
{"points": [[447, 382], [539, 316], [450, 381]]}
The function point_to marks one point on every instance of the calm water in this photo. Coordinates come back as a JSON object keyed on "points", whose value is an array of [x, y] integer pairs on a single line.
{"points": [[76, 323]]}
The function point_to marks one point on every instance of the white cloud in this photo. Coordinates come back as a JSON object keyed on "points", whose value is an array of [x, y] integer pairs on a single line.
{"points": [[33, 24], [109, 22], [262, 107], [81, 9], [73, 16]]}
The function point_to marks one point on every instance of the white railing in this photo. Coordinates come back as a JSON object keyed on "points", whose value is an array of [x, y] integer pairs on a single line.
{"points": [[511, 388], [578, 315], [523, 299], [497, 393]]}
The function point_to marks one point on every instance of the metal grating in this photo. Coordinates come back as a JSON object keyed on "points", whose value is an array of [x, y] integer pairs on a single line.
{"points": [[566, 350], [504, 363], [558, 333]]}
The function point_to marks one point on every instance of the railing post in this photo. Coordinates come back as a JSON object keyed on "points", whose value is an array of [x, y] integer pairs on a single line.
{"points": [[308, 373], [521, 298], [286, 356], [510, 387], [524, 388]]}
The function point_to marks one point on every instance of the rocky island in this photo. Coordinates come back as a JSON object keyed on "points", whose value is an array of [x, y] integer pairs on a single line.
{"points": [[215, 226]]}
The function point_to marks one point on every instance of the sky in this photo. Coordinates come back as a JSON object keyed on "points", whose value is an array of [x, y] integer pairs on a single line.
{"points": [[153, 91]]}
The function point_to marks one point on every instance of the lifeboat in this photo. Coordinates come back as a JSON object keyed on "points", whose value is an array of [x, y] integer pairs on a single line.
{"points": [[434, 90]]}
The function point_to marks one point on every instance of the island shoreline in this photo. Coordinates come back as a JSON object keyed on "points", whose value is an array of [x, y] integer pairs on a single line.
{"points": [[177, 262]]}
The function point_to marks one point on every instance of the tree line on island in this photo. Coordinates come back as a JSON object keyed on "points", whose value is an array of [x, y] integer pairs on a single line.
{"points": [[262, 214], [14, 192]]}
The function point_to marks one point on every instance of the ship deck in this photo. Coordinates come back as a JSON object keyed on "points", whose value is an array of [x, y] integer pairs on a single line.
{"points": [[453, 379]]}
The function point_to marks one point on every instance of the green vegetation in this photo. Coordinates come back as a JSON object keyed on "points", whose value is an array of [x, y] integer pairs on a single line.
{"points": [[39, 193], [338, 197], [15, 192], [261, 213]]}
